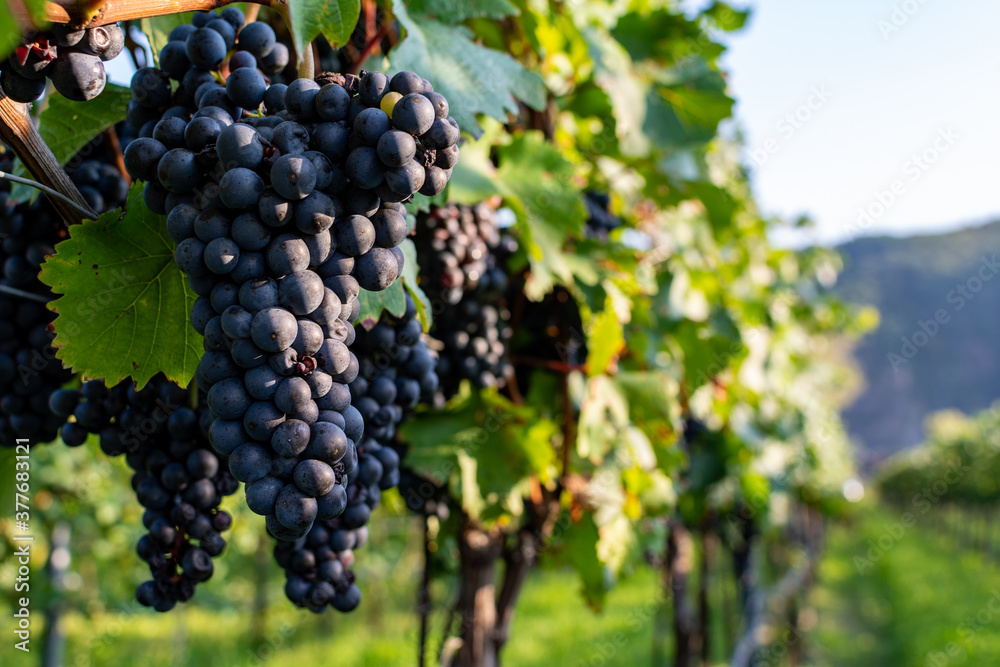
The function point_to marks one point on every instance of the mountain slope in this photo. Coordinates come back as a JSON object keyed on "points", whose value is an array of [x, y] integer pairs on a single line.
{"points": [[938, 345]]}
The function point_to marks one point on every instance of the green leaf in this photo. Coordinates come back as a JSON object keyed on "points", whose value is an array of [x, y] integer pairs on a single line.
{"points": [[410, 279], [485, 446], [392, 299], [537, 183], [456, 11], [67, 126], [157, 30], [605, 340], [720, 205], [578, 548], [475, 79], [335, 19], [686, 105], [726, 17], [125, 305], [708, 347]]}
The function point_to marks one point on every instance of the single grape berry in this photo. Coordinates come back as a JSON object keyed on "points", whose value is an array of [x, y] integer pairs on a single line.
{"points": [[77, 75]]}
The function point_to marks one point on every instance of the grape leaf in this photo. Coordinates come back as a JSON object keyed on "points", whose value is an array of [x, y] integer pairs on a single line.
{"points": [[392, 299], [335, 19], [125, 305], [68, 126], [485, 447], [578, 547], [537, 183], [605, 340], [475, 79], [411, 280], [456, 11]]}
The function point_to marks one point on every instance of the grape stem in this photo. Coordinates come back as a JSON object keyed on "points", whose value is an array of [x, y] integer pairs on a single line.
{"points": [[82, 210], [370, 48], [548, 364], [111, 136], [13, 291], [307, 64]]}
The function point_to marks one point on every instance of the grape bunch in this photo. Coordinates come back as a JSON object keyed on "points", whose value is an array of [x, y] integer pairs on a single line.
{"points": [[396, 373], [194, 56], [600, 220], [461, 245], [277, 237], [317, 566], [73, 59], [474, 333], [103, 187], [463, 255], [177, 476], [29, 370]]}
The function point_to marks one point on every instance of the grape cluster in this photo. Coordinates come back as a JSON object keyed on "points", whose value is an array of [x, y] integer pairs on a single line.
{"points": [[73, 59], [103, 187], [317, 566], [396, 373], [463, 254], [277, 232], [195, 56], [29, 370], [462, 247], [177, 476], [600, 220]]}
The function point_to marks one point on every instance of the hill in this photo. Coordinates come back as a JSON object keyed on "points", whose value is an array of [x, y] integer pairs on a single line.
{"points": [[938, 345]]}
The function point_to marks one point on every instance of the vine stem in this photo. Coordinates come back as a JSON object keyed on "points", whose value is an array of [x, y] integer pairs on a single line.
{"points": [[548, 364], [82, 210], [13, 291], [370, 48], [18, 132], [111, 136], [113, 11]]}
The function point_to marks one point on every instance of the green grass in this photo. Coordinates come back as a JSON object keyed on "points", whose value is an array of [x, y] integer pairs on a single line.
{"points": [[552, 623], [922, 603]]}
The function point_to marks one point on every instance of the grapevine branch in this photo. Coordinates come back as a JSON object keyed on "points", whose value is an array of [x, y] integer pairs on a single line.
{"points": [[114, 11], [18, 132]]}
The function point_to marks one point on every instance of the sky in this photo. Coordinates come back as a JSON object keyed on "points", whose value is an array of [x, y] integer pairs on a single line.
{"points": [[870, 116]]}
